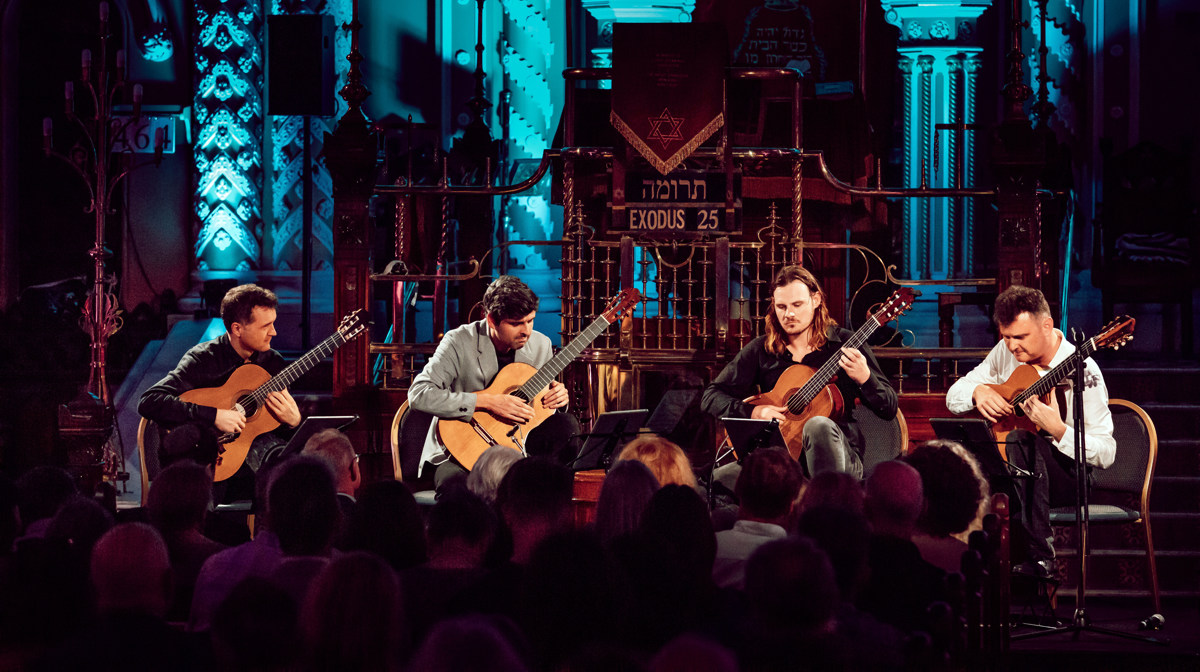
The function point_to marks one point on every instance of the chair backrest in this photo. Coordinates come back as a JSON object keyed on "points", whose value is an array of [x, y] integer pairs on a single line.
{"points": [[149, 440], [1137, 450], [884, 439], [409, 428]]}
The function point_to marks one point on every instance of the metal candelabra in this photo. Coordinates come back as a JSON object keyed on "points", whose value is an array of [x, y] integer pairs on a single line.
{"points": [[86, 422]]}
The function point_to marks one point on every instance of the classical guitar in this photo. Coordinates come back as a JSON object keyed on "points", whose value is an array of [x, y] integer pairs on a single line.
{"points": [[467, 439], [1027, 382], [809, 393], [247, 390]]}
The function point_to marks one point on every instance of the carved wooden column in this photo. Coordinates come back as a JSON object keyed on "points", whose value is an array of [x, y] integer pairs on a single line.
{"points": [[350, 153]]}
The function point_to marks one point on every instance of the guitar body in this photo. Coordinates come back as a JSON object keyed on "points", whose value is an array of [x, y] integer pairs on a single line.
{"points": [[828, 403], [1020, 380], [244, 381], [467, 439]]}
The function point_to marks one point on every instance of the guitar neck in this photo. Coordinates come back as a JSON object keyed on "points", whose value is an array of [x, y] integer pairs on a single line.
{"points": [[301, 366], [565, 356], [1056, 375], [809, 391]]}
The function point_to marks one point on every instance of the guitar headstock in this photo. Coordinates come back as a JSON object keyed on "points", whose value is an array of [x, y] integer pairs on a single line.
{"points": [[1115, 333], [353, 324], [622, 303], [900, 301]]}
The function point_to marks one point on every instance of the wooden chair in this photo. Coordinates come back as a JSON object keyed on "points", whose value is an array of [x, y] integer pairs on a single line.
{"points": [[885, 439], [409, 429], [1131, 473], [149, 440]]}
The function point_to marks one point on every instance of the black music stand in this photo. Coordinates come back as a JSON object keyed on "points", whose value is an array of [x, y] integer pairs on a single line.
{"points": [[310, 426], [609, 430], [747, 435], [975, 434], [1080, 621]]}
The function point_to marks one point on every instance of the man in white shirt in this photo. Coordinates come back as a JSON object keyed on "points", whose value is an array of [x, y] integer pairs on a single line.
{"points": [[1029, 337]]}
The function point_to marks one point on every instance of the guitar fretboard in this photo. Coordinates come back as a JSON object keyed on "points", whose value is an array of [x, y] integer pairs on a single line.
{"points": [[1056, 375], [301, 366], [552, 368], [802, 397]]}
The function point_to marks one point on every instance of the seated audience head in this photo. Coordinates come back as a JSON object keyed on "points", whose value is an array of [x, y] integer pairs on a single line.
{"points": [[180, 497], [954, 487], [790, 587], [624, 495], [351, 618], [475, 643], [131, 571], [302, 502], [387, 522], [80, 522], [894, 499], [832, 488], [534, 500], [333, 446], [768, 486], [459, 529], [40, 492], [678, 515], [692, 653], [845, 536], [666, 460], [256, 627], [489, 470]]}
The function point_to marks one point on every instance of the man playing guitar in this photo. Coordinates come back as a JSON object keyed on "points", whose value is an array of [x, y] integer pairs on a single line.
{"points": [[467, 360], [1029, 337], [799, 330], [249, 315]]}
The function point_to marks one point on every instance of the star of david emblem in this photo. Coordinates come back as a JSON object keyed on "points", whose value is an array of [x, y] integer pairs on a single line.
{"points": [[664, 128]]}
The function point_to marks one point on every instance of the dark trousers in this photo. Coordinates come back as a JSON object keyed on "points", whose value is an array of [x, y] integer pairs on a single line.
{"points": [[551, 440], [1053, 484]]}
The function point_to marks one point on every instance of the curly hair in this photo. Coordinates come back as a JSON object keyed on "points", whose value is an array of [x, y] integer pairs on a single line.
{"points": [[507, 298], [953, 483], [667, 461], [1016, 300], [822, 322]]}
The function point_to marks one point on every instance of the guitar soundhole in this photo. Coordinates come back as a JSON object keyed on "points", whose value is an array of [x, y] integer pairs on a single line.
{"points": [[246, 405]]}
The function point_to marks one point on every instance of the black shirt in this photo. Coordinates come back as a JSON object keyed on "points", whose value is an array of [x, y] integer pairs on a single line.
{"points": [[208, 364], [755, 370]]}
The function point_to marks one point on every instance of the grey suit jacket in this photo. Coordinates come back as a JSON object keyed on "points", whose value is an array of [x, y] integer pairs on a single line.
{"points": [[463, 364]]}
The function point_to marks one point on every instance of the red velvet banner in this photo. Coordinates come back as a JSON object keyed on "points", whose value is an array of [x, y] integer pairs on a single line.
{"points": [[668, 81]]}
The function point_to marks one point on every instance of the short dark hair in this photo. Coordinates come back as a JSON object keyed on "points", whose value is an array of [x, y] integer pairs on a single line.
{"points": [[953, 484], [1016, 300], [179, 497], [302, 506], [239, 304], [507, 298], [769, 483]]}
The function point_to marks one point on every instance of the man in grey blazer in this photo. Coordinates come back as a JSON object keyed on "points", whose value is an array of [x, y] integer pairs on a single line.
{"points": [[468, 359]]}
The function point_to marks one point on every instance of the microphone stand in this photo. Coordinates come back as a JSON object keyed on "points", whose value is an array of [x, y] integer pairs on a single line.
{"points": [[1080, 621]]}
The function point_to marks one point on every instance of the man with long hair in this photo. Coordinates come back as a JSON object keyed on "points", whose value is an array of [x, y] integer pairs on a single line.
{"points": [[1028, 336], [800, 330]]}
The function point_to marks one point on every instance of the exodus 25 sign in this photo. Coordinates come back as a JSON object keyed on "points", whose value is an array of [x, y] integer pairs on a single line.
{"points": [[682, 202]]}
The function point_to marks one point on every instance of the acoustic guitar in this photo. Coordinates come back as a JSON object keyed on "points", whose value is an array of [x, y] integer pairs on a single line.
{"points": [[808, 394], [467, 439], [1027, 382], [247, 389]]}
